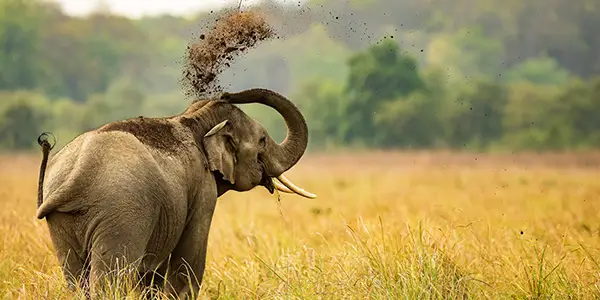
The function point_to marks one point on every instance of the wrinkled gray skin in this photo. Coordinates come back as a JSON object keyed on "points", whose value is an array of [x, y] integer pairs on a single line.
{"points": [[146, 188]]}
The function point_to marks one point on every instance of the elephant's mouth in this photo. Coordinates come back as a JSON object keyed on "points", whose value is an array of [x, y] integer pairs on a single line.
{"points": [[284, 185], [267, 182]]}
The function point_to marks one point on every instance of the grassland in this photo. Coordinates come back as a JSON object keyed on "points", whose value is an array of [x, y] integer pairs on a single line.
{"points": [[385, 226]]}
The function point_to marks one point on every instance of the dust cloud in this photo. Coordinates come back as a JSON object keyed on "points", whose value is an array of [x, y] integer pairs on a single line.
{"points": [[207, 57]]}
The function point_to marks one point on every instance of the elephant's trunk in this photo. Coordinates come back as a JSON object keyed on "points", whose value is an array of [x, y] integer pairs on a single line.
{"points": [[285, 155]]}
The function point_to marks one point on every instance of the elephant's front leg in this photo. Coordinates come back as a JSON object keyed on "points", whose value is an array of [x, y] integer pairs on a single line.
{"points": [[188, 260]]}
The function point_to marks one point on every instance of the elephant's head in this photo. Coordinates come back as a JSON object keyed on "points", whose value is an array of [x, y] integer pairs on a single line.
{"points": [[240, 151]]}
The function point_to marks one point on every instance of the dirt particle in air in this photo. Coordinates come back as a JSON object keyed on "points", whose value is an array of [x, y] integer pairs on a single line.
{"points": [[213, 52]]}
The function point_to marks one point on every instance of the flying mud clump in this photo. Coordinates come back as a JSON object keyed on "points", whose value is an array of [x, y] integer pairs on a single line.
{"points": [[231, 36]]}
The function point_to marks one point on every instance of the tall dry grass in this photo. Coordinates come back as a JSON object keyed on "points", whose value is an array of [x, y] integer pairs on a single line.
{"points": [[397, 226]]}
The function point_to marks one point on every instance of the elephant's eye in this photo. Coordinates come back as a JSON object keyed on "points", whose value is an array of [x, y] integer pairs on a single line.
{"points": [[262, 141]]}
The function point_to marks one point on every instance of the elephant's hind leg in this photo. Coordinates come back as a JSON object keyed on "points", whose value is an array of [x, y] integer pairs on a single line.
{"points": [[70, 253], [117, 254], [189, 257]]}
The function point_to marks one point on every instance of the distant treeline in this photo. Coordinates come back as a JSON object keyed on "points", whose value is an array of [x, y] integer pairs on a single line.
{"points": [[482, 75]]}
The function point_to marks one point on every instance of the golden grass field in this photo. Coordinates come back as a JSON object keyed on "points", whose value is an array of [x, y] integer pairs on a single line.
{"points": [[384, 226]]}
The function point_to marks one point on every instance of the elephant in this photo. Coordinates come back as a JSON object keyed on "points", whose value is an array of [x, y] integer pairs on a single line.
{"points": [[144, 189]]}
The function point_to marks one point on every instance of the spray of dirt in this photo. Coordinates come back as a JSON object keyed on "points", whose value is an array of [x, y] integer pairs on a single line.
{"points": [[213, 52]]}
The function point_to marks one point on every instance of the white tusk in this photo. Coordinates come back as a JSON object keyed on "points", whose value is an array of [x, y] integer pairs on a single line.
{"points": [[283, 188], [295, 188], [216, 128]]}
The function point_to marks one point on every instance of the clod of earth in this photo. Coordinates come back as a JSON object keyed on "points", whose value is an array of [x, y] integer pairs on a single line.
{"points": [[206, 58]]}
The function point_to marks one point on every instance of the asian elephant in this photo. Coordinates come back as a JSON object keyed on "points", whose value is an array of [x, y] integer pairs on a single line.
{"points": [[144, 189]]}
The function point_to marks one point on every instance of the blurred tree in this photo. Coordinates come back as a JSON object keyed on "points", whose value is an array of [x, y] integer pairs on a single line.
{"points": [[477, 115], [20, 61], [543, 70], [104, 67], [85, 55], [122, 100], [416, 120], [583, 110], [23, 117], [381, 74], [125, 99], [545, 127], [322, 101], [467, 53], [96, 113], [408, 122]]}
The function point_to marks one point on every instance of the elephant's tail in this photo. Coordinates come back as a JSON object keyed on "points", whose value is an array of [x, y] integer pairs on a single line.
{"points": [[46, 147]]}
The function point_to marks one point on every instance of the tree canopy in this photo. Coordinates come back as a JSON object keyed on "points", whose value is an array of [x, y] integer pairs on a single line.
{"points": [[481, 75]]}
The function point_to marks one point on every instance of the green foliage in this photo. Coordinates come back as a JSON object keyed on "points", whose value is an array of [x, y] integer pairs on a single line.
{"points": [[476, 54], [20, 29], [378, 76], [23, 116], [544, 127], [543, 70], [322, 103], [477, 115], [581, 105], [481, 75], [407, 122]]}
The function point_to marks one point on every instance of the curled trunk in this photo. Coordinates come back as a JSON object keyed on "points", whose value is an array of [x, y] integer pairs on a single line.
{"points": [[285, 155]]}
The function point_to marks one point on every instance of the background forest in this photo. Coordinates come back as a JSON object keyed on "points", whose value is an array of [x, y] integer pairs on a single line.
{"points": [[464, 74]]}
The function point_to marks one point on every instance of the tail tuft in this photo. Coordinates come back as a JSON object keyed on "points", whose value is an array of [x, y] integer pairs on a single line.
{"points": [[43, 140]]}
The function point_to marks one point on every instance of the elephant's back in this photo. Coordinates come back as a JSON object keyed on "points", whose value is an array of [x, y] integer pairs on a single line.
{"points": [[105, 169]]}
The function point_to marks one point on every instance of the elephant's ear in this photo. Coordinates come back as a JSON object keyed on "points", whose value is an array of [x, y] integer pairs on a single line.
{"points": [[219, 153]]}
